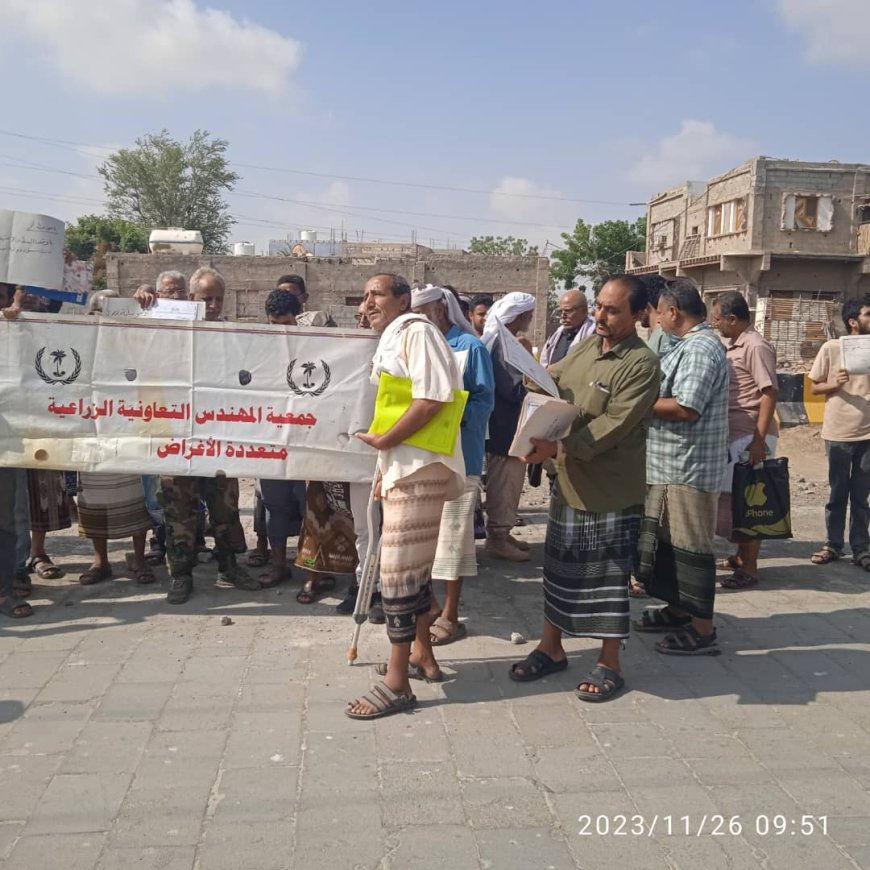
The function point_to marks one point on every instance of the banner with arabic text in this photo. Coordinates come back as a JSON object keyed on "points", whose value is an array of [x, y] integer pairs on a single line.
{"points": [[195, 398]]}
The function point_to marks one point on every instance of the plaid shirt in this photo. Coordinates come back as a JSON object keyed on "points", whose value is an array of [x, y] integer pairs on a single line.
{"points": [[695, 373]]}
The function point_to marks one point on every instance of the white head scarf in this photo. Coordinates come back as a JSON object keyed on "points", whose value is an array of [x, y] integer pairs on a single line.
{"points": [[505, 310], [430, 293]]}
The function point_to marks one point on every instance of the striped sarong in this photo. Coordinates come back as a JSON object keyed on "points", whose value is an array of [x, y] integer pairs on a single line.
{"points": [[412, 517], [675, 551], [112, 505], [588, 558], [456, 555], [49, 507]]}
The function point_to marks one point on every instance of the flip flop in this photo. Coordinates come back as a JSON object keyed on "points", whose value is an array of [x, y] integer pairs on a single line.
{"points": [[415, 672], [535, 665], [608, 682], [443, 631], [385, 701]]}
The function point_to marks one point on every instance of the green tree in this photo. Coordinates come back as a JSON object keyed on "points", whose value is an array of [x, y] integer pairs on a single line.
{"points": [[84, 236], [166, 183], [502, 246], [92, 236], [595, 251]]}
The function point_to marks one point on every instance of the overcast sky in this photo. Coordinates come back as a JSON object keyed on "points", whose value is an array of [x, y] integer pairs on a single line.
{"points": [[452, 118]]}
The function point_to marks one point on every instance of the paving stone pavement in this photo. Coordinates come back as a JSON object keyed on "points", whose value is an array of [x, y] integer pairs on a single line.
{"points": [[135, 735]]}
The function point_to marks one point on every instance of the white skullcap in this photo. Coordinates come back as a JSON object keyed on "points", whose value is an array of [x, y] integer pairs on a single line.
{"points": [[505, 310], [430, 293], [425, 295]]}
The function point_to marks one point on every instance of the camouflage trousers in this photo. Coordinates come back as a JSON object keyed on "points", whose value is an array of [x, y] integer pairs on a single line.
{"points": [[179, 497]]}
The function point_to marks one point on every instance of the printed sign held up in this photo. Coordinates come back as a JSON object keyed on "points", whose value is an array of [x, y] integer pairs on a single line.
{"points": [[31, 250], [183, 398]]}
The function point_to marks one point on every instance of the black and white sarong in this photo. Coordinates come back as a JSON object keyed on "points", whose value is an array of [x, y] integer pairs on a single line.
{"points": [[588, 558]]}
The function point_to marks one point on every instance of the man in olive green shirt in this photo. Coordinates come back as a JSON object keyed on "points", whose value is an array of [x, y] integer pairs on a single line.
{"points": [[597, 501]]}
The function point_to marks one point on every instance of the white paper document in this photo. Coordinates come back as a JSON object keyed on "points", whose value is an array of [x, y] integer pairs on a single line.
{"points": [[162, 309], [855, 353], [542, 417], [31, 249], [516, 356]]}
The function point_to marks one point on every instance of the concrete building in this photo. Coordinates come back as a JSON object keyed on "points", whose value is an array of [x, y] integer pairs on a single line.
{"points": [[336, 283], [793, 236]]}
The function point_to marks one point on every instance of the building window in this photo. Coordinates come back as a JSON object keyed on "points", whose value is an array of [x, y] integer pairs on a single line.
{"points": [[807, 212], [726, 217]]}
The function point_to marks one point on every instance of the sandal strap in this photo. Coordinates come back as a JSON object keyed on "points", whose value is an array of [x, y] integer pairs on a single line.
{"points": [[689, 638], [443, 628], [381, 697], [535, 661]]}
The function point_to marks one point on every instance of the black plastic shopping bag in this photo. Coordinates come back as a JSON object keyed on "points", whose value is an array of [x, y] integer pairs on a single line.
{"points": [[760, 501]]}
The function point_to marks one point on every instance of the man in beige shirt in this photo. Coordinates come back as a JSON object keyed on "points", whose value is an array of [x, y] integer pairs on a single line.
{"points": [[846, 430], [752, 428]]}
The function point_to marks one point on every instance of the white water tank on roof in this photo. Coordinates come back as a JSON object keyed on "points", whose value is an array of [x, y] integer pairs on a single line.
{"points": [[175, 240], [243, 249], [308, 236]]}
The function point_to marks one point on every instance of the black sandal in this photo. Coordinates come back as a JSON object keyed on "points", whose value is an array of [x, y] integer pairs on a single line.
{"points": [[660, 619], [44, 568], [315, 587], [862, 560], [689, 642], [607, 681], [16, 609], [535, 665]]}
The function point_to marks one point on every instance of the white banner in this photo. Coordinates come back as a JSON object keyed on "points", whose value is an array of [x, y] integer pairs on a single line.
{"points": [[247, 400]]}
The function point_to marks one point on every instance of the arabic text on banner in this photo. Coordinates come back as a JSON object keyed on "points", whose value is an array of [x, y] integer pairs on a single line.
{"points": [[246, 400]]}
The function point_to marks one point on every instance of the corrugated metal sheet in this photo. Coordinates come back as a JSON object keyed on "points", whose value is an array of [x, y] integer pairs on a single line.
{"points": [[798, 324]]}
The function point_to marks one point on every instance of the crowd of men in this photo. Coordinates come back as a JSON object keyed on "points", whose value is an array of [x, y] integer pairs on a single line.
{"points": [[639, 486]]}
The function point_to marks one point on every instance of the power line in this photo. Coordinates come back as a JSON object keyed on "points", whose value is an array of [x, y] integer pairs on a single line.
{"points": [[335, 176], [344, 210]]}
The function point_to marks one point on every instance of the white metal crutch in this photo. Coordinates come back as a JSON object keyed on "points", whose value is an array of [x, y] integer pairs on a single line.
{"points": [[369, 574]]}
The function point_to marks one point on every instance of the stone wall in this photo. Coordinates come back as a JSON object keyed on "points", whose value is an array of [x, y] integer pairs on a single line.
{"points": [[336, 284]]}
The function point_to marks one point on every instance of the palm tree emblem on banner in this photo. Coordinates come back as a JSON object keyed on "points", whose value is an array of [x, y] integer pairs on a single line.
{"points": [[58, 373], [313, 383]]}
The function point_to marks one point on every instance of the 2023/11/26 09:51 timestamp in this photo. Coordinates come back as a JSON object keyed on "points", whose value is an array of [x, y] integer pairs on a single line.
{"points": [[707, 825]]}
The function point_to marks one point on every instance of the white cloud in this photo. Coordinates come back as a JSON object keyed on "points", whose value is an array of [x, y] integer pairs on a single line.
{"points": [[335, 194], [835, 31], [546, 218], [696, 152], [150, 47]]}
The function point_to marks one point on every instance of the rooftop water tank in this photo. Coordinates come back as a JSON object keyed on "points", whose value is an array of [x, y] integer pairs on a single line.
{"points": [[308, 236], [243, 249], [175, 240]]}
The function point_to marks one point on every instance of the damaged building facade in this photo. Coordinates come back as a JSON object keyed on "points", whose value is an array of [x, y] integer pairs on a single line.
{"points": [[794, 237]]}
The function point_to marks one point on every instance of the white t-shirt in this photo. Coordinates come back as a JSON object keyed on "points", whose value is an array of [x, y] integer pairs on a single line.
{"points": [[412, 347]]}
